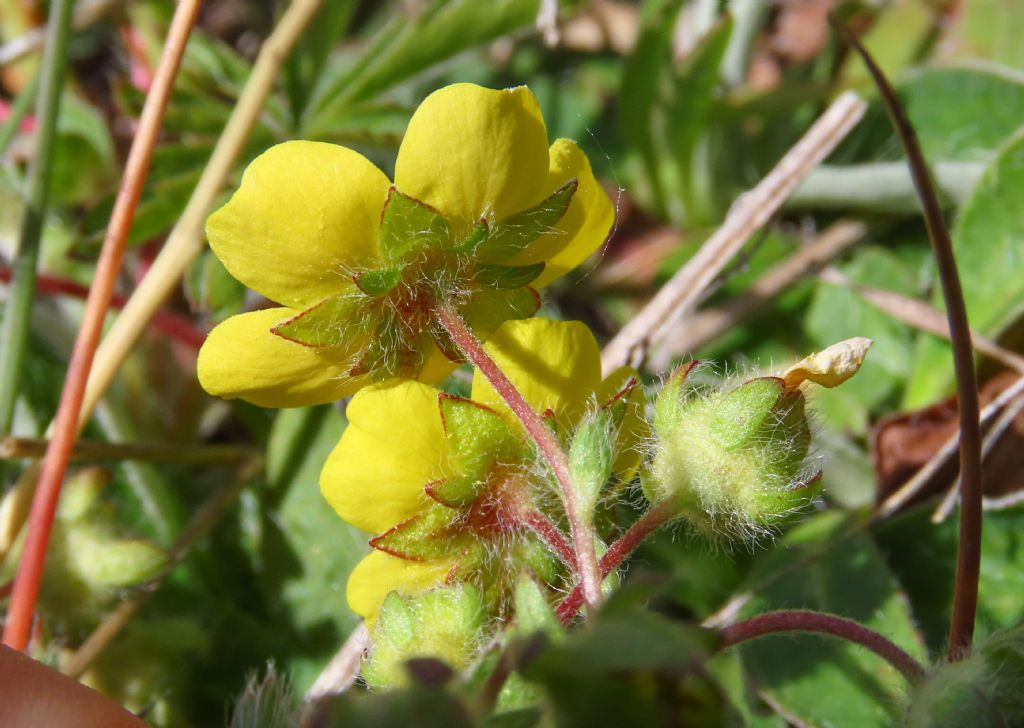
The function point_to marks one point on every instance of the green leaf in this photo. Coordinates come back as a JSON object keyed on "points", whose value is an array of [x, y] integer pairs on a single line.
{"points": [[515, 233], [827, 565], [306, 551], [405, 46], [505, 277], [638, 96], [419, 706], [964, 113], [688, 115], [305, 63], [629, 669], [326, 324], [210, 288], [408, 225], [988, 241]]}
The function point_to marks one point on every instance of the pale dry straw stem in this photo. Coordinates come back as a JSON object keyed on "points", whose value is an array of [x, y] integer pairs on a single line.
{"points": [[921, 315], [341, 672], [705, 325], [202, 523], [67, 424], [992, 437], [185, 240], [749, 213], [912, 487]]}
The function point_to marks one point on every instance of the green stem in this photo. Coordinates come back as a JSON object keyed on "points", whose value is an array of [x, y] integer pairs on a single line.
{"points": [[14, 331], [17, 112]]}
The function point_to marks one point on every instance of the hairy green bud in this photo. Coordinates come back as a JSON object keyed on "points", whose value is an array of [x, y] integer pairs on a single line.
{"points": [[983, 690], [591, 457], [446, 623], [733, 462]]}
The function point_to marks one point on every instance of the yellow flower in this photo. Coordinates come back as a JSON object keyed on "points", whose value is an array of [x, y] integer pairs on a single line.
{"points": [[451, 485], [481, 210]]}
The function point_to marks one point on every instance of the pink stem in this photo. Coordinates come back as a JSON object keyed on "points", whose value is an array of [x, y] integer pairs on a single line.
{"points": [[647, 524], [543, 438], [800, 620]]}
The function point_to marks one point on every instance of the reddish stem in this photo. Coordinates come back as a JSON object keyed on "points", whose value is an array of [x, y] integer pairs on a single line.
{"points": [[647, 524], [550, 534], [968, 556], [543, 438], [799, 620], [177, 327], [18, 627]]}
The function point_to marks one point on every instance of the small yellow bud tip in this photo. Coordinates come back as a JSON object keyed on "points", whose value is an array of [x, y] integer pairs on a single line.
{"points": [[830, 367]]}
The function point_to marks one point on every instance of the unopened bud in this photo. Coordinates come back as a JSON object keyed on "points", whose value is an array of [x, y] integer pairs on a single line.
{"points": [[591, 456]]}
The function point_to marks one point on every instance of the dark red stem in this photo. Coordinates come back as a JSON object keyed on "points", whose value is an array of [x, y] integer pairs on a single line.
{"points": [[968, 562], [799, 620]]}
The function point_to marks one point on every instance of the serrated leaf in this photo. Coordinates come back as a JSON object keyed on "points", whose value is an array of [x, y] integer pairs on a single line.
{"points": [[326, 324], [515, 233], [505, 277], [408, 225]]}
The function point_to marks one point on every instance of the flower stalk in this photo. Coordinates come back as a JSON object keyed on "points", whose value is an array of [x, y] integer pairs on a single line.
{"points": [[817, 622], [549, 447]]}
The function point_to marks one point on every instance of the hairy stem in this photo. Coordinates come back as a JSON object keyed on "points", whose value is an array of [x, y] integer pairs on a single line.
{"points": [[66, 424], [543, 438], [968, 562], [551, 535], [644, 526], [799, 620], [18, 311]]}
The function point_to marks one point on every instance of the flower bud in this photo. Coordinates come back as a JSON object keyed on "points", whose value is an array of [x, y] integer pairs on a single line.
{"points": [[982, 690], [445, 623], [735, 462], [591, 457]]}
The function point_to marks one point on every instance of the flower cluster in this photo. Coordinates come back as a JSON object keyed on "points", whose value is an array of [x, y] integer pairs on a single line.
{"points": [[480, 505]]}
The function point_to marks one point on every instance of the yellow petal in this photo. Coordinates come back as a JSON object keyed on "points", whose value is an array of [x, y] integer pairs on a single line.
{"points": [[393, 446], [241, 358], [471, 152], [305, 214], [830, 367], [554, 364], [585, 225], [633, 430], [379, 574]]}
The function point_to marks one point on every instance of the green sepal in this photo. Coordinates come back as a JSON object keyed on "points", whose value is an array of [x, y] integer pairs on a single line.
{"points": [[378, 282], [407, 225], [426, 535], [456, 492], [473, 239], [506, 277], [740, 414], [382, 358], [326, 324], [104, 562], [591, 456], [445, 623], [671, 400], [477, 436], [533, 611], [515, 233], [490, 308]]}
